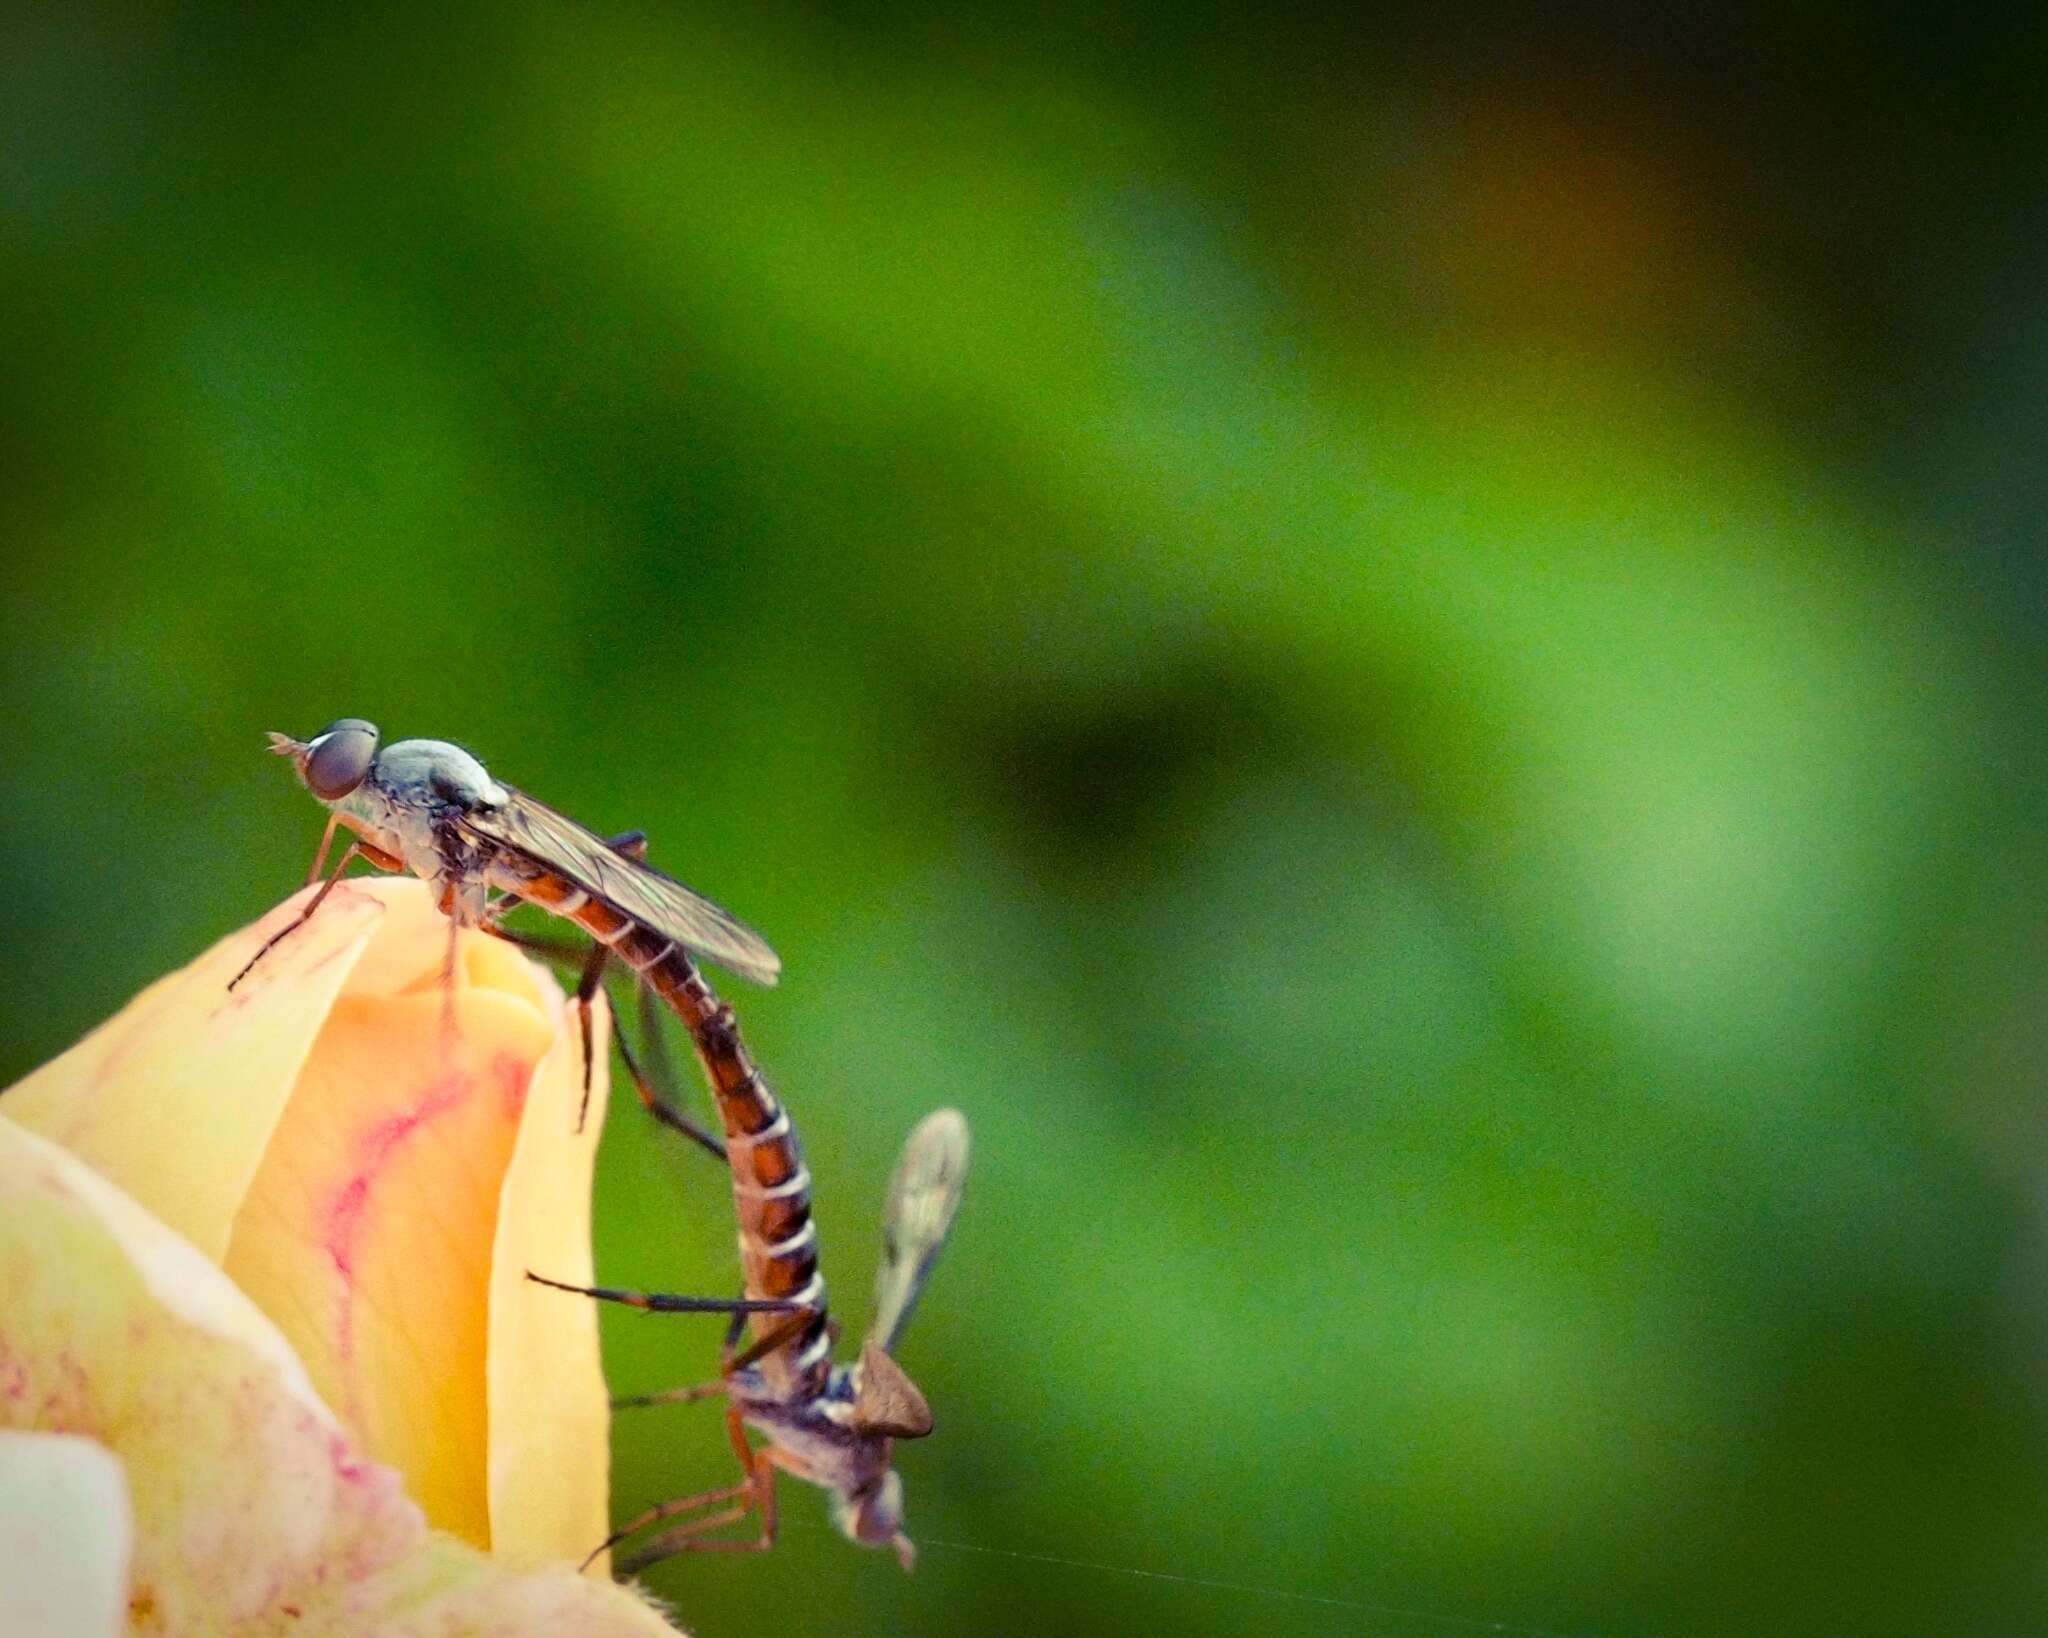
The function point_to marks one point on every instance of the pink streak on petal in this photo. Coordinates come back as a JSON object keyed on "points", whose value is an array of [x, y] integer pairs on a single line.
{"points": [[513, 1075], [375, 1150]]}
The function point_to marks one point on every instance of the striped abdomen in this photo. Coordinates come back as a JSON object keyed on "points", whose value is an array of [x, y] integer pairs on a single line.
{"points": [[770, 1185]]}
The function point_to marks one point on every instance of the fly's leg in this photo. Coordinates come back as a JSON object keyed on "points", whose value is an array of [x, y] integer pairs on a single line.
{"points": [[652, 1098], [448, 974], [666, 1112], [320, 858], [561, 951], [355, 849], [632, 844]]}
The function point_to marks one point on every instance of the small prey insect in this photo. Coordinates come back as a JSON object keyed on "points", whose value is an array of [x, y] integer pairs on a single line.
{"points": [[831, 1424]]}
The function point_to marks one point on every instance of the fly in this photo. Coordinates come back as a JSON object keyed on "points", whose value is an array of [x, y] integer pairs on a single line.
{"points": [[432, 808]]}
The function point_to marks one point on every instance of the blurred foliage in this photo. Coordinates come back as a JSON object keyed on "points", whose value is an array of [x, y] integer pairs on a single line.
{"points": [[1403, 649]]}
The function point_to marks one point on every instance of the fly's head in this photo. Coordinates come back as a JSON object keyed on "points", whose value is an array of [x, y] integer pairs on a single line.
{"points": [[334, 761]]}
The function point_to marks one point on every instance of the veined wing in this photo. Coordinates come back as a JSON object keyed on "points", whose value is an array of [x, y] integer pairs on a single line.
{"points": [[661, 903], [923, 1195]]}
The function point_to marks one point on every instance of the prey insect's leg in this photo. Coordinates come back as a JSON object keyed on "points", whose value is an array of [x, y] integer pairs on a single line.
{"points": [[691, 1537], [661, 1302], [304, 915], [788, 1330], [682, 1504], [703, 1390], [748, 1488], [670, 1396]]}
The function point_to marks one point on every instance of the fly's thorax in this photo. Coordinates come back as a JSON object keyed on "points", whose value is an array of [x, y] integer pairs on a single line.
{"points": [[404, 808], [431, 773]]}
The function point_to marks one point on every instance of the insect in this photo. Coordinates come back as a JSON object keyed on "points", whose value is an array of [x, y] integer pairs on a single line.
{"points": [[834, 1425], [430, 807]]}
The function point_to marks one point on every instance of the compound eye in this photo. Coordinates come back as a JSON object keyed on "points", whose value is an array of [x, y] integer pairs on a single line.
{"points": [[339, 757]]}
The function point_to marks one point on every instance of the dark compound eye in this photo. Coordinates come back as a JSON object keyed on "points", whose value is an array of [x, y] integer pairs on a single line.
{"points": [[340, 758]]}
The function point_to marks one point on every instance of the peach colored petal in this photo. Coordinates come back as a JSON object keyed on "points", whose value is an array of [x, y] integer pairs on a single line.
{"points": [[338, 1134], [253, 1515], [367, 1233], [190, 1073], [65, 1536], [548, 1499]]}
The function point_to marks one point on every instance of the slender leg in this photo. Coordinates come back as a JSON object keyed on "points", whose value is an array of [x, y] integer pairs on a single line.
{"points": [[587, 986], [661, 1302], [703, 1390], [687, 1539], [656, 1103], [448, 980], [633, 845], [684, 1504], [304, 916], [501, 907], [559, 950], [586, 992], [757, 1488], [320, 858], [664, 1111], [671, 1396], [786, 1331], [661, 1072], [691, 1537]]}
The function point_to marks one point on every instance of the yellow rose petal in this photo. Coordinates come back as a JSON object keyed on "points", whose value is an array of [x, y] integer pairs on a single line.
{"points": [[548, 1499], [175, 1097], [368, 1232], [237, 1477], [252, 1513], [342, 1135], [65, 1537]]}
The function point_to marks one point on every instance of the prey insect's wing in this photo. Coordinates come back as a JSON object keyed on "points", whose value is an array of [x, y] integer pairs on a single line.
{"points": [[923, 1195], [659, 902]]}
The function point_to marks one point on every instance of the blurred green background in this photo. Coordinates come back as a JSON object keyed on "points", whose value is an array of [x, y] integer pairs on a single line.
{"points": [[1403, 645]]}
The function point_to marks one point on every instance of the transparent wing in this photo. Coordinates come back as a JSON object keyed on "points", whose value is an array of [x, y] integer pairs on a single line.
{"points": [[923, 1195], [660, 902]]}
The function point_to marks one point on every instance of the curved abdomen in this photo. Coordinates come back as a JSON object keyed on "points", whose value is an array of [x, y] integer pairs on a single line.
{"points": [[771, 1187]]}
